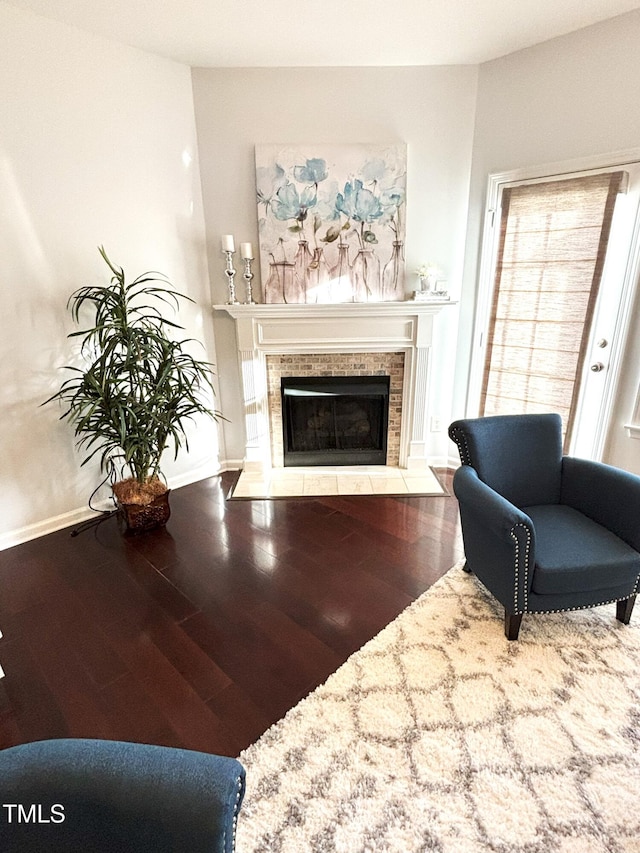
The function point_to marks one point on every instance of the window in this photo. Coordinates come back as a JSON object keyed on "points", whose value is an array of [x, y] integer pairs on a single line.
{"points": [[526, 354], [553, 241]]}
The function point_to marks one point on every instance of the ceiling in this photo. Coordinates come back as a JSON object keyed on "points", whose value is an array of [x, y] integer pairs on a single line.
{"points": [[276, 33]]}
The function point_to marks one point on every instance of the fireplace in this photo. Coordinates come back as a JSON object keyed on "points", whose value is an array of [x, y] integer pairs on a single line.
{"points": [[335, 365], [296, 340], [330, 420]]}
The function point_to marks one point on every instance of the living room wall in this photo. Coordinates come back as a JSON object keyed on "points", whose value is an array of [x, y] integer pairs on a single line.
{"points": [[431, 109], [97, 146], [569, 98]]}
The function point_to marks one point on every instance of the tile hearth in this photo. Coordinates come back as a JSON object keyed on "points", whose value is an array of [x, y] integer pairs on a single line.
{"points": [[336, 480]]}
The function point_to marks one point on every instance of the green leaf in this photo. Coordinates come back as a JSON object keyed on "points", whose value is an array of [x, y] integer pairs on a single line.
{"points": [[333, 232]]}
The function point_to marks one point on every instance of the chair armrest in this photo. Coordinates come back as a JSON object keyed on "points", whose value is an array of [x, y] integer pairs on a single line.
{"points": [[498, 514], [607, 495], [116, 796], [499, 539]]}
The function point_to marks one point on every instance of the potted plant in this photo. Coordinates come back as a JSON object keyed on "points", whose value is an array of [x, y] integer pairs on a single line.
{"points": [[136, 391]]}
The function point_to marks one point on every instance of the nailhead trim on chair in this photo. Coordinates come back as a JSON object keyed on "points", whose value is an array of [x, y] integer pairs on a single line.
{"points": [[527, 551], [461, 440], [235, 816], [580, 607]]}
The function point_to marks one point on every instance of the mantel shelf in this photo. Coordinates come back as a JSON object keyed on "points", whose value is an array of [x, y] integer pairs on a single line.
{"points": [[409, 308]]}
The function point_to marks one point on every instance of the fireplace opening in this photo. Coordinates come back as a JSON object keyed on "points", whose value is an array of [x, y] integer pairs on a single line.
{"points": [[335, 420]]}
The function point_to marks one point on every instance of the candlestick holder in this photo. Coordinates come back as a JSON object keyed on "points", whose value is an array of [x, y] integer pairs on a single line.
{"points": [[247, 275], [230, 273]]}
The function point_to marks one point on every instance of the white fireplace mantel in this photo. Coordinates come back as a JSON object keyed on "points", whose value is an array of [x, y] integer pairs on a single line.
{"points": [[264, 329]]}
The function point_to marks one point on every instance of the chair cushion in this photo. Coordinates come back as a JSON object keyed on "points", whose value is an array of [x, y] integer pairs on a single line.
{"points": [[574, 553]]}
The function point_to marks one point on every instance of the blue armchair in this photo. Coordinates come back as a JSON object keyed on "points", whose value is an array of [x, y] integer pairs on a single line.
{"points": [[95, 796], [542, 531]]}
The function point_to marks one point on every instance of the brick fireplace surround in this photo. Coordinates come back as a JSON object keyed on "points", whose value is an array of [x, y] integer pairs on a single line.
{"points": [[390, 338]]}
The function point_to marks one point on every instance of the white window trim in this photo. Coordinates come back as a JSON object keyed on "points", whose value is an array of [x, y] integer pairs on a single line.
{"points": [[633, 428], [486, 276]]}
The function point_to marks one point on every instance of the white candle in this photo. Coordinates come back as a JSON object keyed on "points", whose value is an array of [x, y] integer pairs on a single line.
{"points": [[246, 250], [227, 243]]}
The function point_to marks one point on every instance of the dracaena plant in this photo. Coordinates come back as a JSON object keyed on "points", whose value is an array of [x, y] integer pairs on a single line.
{"points": [[138, 387]]}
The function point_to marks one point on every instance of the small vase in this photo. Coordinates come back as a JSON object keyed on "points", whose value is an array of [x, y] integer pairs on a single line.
{"points": [[281, 285], [318, 278], [366, 276], [341, 284], [301, 264], [392, 290]]}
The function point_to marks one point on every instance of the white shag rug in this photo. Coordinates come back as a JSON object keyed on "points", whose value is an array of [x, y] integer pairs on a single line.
{"points": [[441, 735]]}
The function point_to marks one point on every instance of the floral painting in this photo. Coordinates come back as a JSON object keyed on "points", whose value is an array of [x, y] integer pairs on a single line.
{"points": [[331, 221]]}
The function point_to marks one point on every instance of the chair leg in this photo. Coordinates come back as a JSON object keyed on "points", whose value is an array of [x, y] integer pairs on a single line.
{"points": [[512, 624], [466, 568], [624, 608]]}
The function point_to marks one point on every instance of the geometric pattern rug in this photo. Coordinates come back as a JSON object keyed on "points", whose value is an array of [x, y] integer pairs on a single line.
{"points": [[440, 734]]}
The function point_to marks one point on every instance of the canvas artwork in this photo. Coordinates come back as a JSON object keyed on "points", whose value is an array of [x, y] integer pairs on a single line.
{"points": [[331, 221]]}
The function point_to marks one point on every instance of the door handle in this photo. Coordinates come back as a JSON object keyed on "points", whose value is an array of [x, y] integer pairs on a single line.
{"points": [[597, 367]]}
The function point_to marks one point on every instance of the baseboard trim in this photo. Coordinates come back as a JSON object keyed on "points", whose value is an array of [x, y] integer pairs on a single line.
{"points": [[49, 525], [195, 476], [232, 465], [77, 516], [443, 462]]}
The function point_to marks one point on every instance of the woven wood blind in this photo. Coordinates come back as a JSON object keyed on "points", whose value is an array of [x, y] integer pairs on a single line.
{"points": [[553, 241]]}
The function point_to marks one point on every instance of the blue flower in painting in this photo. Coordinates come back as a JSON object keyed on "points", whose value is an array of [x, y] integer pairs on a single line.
{"points": [[269, 179], [314, 171], [358, 203], [392, 198], [373, 171], [326, 206], [289, 204]]}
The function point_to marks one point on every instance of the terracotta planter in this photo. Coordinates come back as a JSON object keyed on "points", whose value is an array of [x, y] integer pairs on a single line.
{"points": [[142, 517]]}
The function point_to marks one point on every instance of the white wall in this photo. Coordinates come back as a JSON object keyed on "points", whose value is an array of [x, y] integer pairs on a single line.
{"points": [[92, 137], [573, 97], [431, 109]]}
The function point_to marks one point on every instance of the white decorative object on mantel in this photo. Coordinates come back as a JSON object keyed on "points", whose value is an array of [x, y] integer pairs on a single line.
{"points": [[333, 328], [430, 295]]}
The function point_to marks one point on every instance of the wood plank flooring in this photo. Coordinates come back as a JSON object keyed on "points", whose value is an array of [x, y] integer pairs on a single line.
{"points": [[205, 633]]}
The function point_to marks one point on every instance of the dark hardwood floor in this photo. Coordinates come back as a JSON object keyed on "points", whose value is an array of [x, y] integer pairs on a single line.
{"points": [[203, 634]]}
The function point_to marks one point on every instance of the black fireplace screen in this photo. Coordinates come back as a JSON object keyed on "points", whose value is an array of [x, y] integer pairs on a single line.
{"points": [[335, 420]]}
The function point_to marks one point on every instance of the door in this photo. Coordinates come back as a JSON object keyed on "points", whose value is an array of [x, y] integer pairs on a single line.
{"points": [[606, 341], [559, 271]]}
